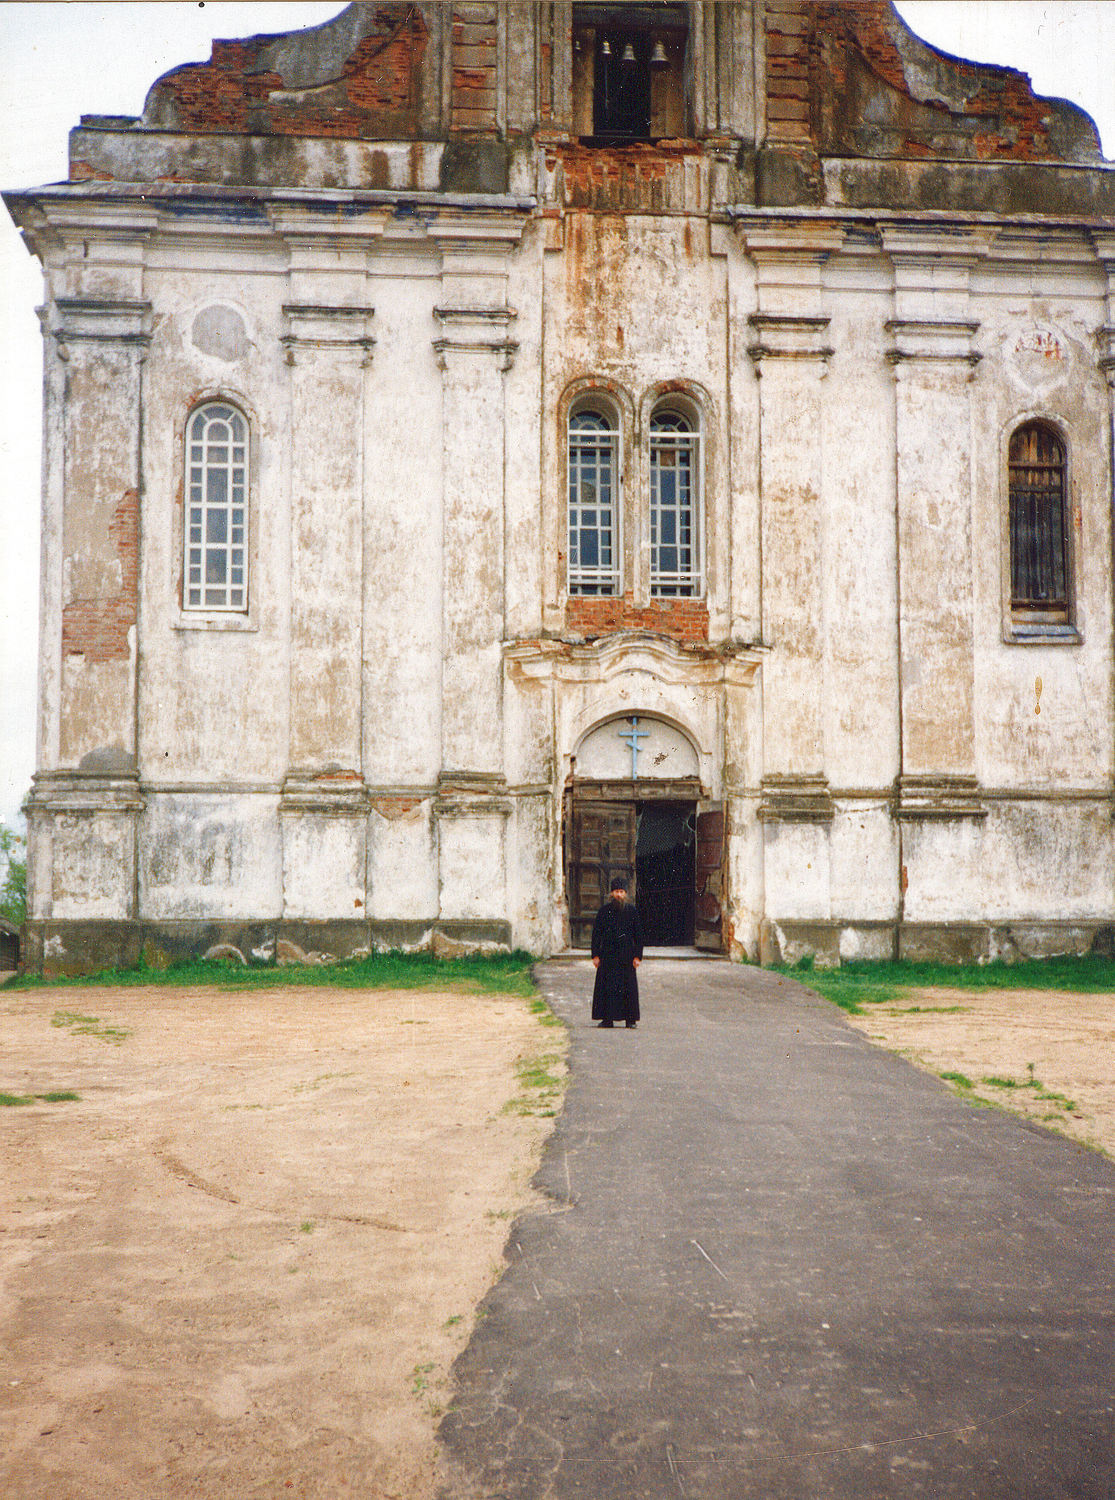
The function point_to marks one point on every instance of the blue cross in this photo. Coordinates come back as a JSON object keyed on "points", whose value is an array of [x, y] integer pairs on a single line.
{"points": [[633, 736]]}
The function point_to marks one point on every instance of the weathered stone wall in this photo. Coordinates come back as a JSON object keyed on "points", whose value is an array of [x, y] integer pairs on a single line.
{"points": [[383, 243]]}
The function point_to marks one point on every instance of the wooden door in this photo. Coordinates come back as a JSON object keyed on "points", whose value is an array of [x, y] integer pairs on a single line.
{"points": [[600, 843], [709, 876]]}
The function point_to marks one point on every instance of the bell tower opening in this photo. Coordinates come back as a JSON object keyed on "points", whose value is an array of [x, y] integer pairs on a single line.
{"points": [[629, 65]]}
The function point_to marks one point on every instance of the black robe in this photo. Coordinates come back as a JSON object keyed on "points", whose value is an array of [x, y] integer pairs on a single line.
{"points": [[617, 939]]}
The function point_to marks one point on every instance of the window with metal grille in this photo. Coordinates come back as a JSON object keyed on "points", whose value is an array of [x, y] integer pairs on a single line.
{"points": [[675, 554], [216, 509], [1038, 550], [593, 503]]}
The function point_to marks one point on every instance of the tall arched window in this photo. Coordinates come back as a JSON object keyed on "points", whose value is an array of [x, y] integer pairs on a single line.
{"points": [[1038, 542], [216, 509], [675, 506], [594, 503]]}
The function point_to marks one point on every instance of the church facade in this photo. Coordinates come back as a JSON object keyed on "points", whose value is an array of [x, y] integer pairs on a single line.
{"points": [[493, 446]]}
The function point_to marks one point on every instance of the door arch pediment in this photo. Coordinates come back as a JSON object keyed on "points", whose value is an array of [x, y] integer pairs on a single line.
{"points": [[636, 747]]}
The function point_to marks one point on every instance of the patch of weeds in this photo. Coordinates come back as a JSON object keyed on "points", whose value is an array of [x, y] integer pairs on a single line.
{"points": [[1050, 1096], [420, 1377], [454, 1320], [306, 1226], [541, 1009], [322, 1078], [961, 1080], [1041, 1093], [930, 1010], [540, 1089], [78, 1025], [497, 1213], [56, 1096]]}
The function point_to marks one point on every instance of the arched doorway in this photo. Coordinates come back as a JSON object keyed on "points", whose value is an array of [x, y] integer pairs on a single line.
{"points": [[634, 807]]}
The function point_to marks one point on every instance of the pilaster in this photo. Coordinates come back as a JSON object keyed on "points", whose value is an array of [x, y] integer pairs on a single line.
{"points": [[790, 350], [102, 344], [934, 356], [323, 807], [1105, 358], [475, 349]]}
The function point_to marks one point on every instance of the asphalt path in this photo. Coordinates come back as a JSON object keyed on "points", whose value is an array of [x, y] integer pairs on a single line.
{"points": [[776, 1261]]}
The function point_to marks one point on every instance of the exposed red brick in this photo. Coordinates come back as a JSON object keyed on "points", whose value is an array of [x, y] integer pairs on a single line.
{"points": [[83, 171], [98, 628], [1016, 125], [377, 93], [681, 619], [395, 807]]}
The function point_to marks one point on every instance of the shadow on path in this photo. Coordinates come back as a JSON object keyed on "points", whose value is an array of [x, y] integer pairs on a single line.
{"points": [[782, 1263]]}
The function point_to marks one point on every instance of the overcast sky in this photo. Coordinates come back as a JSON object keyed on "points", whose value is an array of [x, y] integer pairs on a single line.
{"points": [[60, 61]]}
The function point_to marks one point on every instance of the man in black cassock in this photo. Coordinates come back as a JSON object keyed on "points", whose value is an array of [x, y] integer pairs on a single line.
{"points": [[617, 951]]}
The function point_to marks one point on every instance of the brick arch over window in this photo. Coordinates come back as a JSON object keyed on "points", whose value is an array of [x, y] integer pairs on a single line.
{"points": [[1039, 561], [215, 549]]}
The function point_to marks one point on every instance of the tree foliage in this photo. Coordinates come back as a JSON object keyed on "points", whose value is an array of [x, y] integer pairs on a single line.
{"points": [[13, 888]]}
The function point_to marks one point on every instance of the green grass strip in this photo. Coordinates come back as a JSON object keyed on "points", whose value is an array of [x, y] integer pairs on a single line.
{"points": [[856, 985], [56, 1096], [500, 973]]}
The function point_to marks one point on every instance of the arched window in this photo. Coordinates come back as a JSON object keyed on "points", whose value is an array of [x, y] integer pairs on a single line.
{"points": [[1038, 543], [594, 503], [675, 506], [216, 509]]}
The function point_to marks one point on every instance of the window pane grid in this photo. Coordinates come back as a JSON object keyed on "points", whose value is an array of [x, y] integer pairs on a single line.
{"points": [[675, 562], [593, 509], [1039, 575], [215, 530]]}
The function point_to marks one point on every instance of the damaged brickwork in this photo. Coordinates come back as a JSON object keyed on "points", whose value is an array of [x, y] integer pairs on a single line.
{"points": [[679, 619], [100, 628], [375, 90]]}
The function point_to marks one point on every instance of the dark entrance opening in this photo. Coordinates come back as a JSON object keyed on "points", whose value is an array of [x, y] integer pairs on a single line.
{"points": [[665, 842], [669, 844]]}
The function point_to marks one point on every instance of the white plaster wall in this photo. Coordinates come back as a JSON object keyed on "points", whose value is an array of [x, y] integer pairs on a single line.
{"points": [[213, 689], [472, 864], [860, 559], [798, 871], [526, 415], [1051, 861], [93, 866], [324, 864], [402, 857], [863, 843], [212, 855], [402, 537], [535, 915], [1069, 743]]}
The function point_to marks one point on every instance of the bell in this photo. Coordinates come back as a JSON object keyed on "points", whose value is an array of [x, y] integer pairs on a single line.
{"points": [[606, 48], [629, 53], [658, 58]]}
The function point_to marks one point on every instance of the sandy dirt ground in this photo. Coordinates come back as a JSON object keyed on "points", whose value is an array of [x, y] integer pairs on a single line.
{"points": [[993, 1036], [242, 1263]]}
